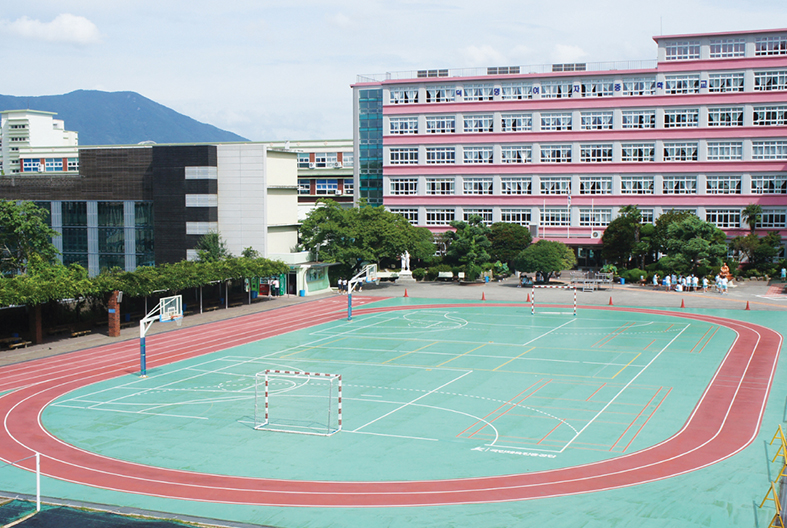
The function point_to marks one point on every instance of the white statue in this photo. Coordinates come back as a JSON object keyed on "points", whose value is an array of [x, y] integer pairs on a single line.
{"points": [[405, 261]]}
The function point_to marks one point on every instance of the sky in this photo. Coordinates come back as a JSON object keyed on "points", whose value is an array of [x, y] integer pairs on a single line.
{"points": [[283, 70]]}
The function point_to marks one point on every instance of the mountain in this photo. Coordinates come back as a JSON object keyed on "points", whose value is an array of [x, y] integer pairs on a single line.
{"points": [[119, 118]]}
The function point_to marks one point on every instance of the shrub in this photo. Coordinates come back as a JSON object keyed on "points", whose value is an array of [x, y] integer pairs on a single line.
{"points": [[431, 273], [419, 273]]}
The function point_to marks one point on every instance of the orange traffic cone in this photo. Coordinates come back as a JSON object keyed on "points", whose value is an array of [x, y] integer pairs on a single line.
{"points": [[483, 296], [528, 297], [682, 304], [405, 292], [747, 305], [610, 301]]}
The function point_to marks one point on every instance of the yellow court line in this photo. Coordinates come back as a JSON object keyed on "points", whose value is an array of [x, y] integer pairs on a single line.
{"points": [[626, 365], [411, 352], [321, 345], [512, 359], [460, 355]]}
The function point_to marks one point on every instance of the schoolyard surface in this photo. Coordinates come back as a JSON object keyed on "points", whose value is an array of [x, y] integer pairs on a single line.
{"points": [[587, 376]]}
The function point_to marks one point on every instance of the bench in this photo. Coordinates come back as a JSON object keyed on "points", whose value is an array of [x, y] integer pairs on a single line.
{"points": [[57, 330], [210, 308], [19, 344], [445, 275], [236, 304], [80, 333], [127, 324]]}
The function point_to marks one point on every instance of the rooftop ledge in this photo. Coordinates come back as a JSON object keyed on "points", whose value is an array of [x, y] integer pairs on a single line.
{"points": [[509, 70]]}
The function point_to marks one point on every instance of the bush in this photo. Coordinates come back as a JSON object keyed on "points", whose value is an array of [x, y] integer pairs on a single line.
{"points": [[432, 273], [472, 272], [419, 273], [633, 275]]}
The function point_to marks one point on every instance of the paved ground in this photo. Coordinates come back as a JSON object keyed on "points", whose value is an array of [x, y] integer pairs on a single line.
{"points": [[760, 295]]}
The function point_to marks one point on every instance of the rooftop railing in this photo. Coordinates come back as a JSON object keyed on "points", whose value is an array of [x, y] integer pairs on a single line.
{"points": [[509, 70]]}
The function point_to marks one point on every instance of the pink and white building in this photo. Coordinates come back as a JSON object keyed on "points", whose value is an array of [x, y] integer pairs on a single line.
{"points": [[562, 147]]}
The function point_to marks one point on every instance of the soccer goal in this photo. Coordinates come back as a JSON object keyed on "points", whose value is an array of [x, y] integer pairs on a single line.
{"points": [[533, 298], [298, 402]]}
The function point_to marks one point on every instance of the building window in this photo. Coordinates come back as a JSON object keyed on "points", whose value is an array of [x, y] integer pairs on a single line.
{"points": [[680, 152], [74, 214], [773, 218], [771, 45], [515, 216], [595, 185], [195, 200], [303, 160], [555, 216], [403, 95], [683, 50], [403, 125], [770, 116], [636, 185], [439, 155], [517, 122], [595, 153], [727, 48], [597, 88], [725, 117], [595, 217], [201, 228], [411, 215], [321, 160], [640, 86], [560, 121], [404, 156], [400, 186], [348, 159], [477, 185], [440, 125], [725, 82], [723, 184], [304, 187], [555, 184], [485, 214], [202, 173], [439, 94], [769, 184], [477, 154], [770, 80], [348, 186], [53, 164], [515, 185], [678, 184], [681, 84], [515, 154], [73, 164], [478, 92], [439, 217], [768, 150], [647, 216], [516, 91], [439, 186], [682, 118], [556, 89], [327, 186], [638, 152], [19, 139], [596, 121], [32, 165], [724, 218], [478, 123], [639, 119], [725, 150], [555, 153]]}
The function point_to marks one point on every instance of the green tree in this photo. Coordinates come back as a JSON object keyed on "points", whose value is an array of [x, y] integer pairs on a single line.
{"points": [[621, 239], [469, 245], [547, 257], [211, 248], [23, 233], [752, 214], [662, 226], [353, 236], [507, 241], [694, 240], [758, 252], [250, 252]]}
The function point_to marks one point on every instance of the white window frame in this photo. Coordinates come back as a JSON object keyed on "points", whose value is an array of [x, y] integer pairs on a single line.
{"points": [[682, 118], [516, 154], [555, 217], [202, 173], [403, 186], [725, 82], [769, 184], [767, 81], [595, 184], [440, 155], [440, 93], [477, 185], [770, 116], [485, 214], [516, 122], [725, 150], [403, 125], [595, 217], [679, 184], [201, 228], [725, 116], [677, 152], [473, 155], [556, 153], [769, 150], [443, 124], [637, 152], [326, 186], [202, 200], [441, 186], [639, 86], [440, 217], [724, 218], [555, 185], [555, 121], [597, 88], [478, 92], [516, 216], [681, 84], [639, 119], [636, 184], [518, 185], [516, 91], [556, 89], [403, 155], [722, 184], [409, 214], [476, 124], [682, 50], [726, 48], [773, 45], [773, 218], [596, 153], [403, 95], [596, 120]]}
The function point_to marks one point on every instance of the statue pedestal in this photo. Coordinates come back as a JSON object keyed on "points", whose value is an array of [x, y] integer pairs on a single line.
{"points": [[405, 277]]}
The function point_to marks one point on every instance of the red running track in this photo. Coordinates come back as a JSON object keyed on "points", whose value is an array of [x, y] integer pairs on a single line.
{"points": [[725, 420]]}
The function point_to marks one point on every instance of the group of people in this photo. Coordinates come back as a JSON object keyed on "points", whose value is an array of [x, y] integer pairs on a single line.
{"points": [[680, 283], [343, 285]]}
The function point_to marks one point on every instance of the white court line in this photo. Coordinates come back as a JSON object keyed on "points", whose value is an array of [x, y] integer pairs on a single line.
{"points": [[626, 386], [547, 333], [393, 436], [412, 402]]}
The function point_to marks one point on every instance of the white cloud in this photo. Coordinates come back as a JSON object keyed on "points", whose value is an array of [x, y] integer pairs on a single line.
{"points": [[67, 28], [565, 53], [483, 56]]}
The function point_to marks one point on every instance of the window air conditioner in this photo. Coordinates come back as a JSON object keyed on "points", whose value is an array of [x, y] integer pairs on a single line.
{"points": [[312, 165], [595, 234]]}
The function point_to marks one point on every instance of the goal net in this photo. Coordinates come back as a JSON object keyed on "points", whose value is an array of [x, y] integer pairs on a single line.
{"points": [[298, 402], [533, 298]]}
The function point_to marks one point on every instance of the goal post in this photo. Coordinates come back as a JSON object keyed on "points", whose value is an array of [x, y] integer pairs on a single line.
{"points": [[298, 402], [533, 296]]}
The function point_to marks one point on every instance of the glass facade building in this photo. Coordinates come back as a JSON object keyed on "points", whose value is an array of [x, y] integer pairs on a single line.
{"points": [[369, 131]]}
